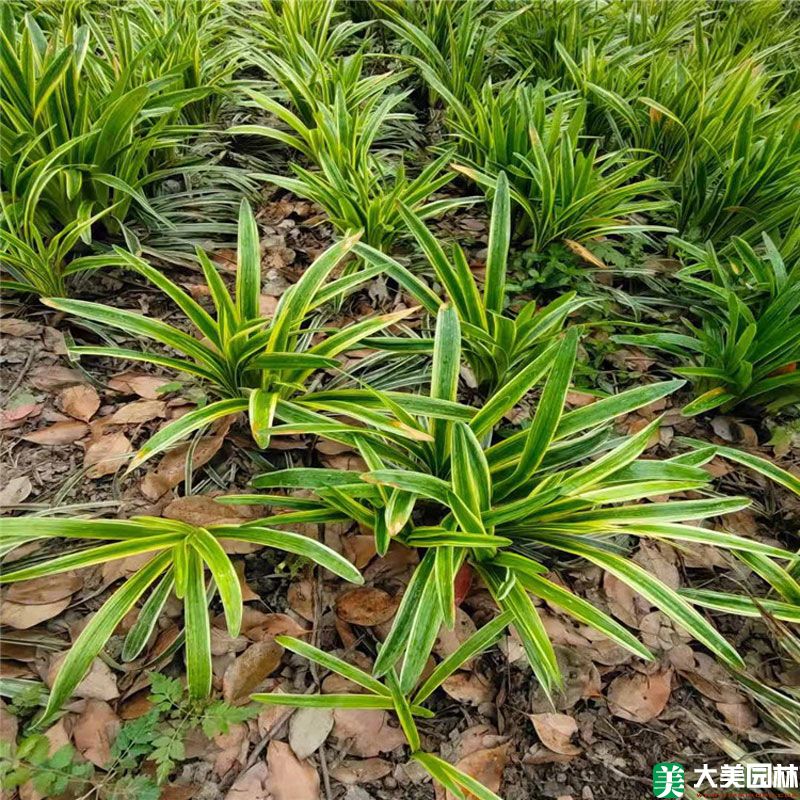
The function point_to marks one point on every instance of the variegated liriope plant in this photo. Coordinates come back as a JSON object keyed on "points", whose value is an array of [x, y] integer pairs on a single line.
{"points": [[565, 486], [188, 561], [254, 364], [498, 342]]}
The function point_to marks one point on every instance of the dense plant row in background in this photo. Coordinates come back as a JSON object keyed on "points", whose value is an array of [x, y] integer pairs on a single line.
{"points": [[669, 125]]}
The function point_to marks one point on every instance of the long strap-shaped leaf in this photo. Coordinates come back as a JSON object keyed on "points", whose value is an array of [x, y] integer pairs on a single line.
{"points": [[494, 288], [101, 625], [477, 643], [93, 555], [547, 416], [182, 427], [248, 265], [198, 628], [575, 606], [291, 543], [459, 783], [654, 590], [331, 662], [293, 305], [225, 577]]}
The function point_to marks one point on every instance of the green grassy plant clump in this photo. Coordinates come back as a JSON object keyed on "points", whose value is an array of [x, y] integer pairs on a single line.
{"points": [[93, 117], [745, 346], [589, 129]]}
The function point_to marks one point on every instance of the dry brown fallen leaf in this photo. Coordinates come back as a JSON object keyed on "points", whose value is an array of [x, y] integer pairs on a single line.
{"points": [[80, 401], [95, 731], [469, 687], [638, 697], [11, 418], [251, 784], [179, 791], [268, 626], [712, 680], [740, 717], [556, 732], [449, 640], [300, 597], [485, 766], [106, 455], [248, 594], [366, 732], [233, 746], [582, 252], [361, 770], [45, 590], [258, 662], [53, 378], [19, 327], [308, 729], [140, 383], [138, 412], [59, 433], [15, 491], [365, 606], [290, 779], [22, 616], [202, 510], [360, 549], [171, 470], [99, 683]]}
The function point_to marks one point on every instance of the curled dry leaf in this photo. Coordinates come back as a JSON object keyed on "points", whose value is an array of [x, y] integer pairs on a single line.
{"points": [[366, 606], [308, 729], [138, 412], [556, 732], [80, 402], [106, 455], [258, 662], [639, 697], [289, 778], [59, 433], [15, 491], [39, 591], [23, 616], [95, 731], [485, 766]]}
